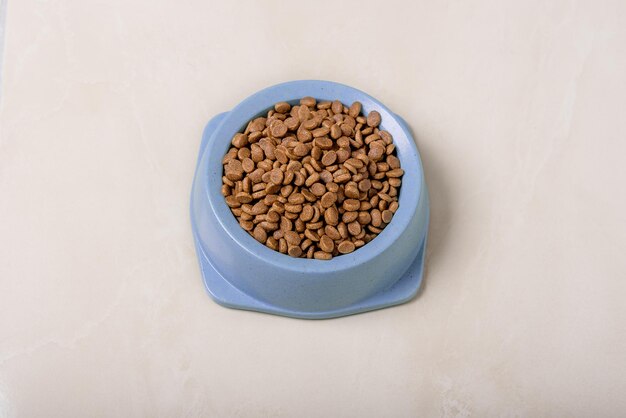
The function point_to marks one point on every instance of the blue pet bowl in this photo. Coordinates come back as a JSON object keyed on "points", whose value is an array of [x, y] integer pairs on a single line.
{"points": [[241, 273]]}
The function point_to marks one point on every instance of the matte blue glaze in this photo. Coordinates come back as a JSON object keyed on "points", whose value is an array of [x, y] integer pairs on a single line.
{"points": [[241, 273]]}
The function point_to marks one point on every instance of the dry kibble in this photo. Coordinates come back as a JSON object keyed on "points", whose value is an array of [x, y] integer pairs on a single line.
{"points": [[309, 124], [258, 208], [278, 130], [272, 243], [282, 107], [321, 132], [243, 197], [308, 101], [260, 234], [352, 192], [292, 238], [321, 255], [318, 189], [328, 199], [247, 225], [376, 218], [354, 228], [331, 216], [295, 251], [329, 158], [332, 232], [273, 216], [324, 143], [351, 205], [364, 218], [349, 217], [240, 140], [326, 244], [248, 165], [301, 150], [343, 230], [354, 110], [346, 247], [396, 172], [337, 107], [375, 153], [373, 119], [314, 180], [307, 213]]}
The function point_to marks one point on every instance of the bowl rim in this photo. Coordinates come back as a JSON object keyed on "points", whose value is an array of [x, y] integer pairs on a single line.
{"points": [[291, 91]]}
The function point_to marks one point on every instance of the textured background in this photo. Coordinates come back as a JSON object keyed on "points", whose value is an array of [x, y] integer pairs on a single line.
{"points": [[518, 108]]}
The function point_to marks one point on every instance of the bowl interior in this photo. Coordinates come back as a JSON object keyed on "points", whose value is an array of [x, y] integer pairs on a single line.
{"points": [[257, 105]]}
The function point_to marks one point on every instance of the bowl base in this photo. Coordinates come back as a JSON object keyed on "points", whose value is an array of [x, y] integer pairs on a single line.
{"points": [[228, 295]]}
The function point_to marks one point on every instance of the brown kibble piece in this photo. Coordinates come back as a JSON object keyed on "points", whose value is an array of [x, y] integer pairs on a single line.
{"points": [[294, 251], [326, 244], [324, 143], [282, 107], [396, 172], [247, 225], [243, 197], [373, 119], [289, 207], [292, 238], [346, 247], [331, 216], [272, 243], [320, 132], [343, 230], [386, 216], [351, 205], [321, 255], [234, 170], [375, 153], [393, 162], [364, 218], [276, 176], [337, 107], [240, 140], [349, 217], [328, 199], [329, 158], [354, 228], [247, 165], [332, 232], [273, 216], [352, 192], [355, 109], [260, 234], [259, 208], [301, 150], [376, 218], [307, 213], [308, 101], [365, 185], [278, 129]]}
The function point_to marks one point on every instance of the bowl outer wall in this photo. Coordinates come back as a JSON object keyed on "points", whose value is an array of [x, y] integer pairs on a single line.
{"points": [[305, 284]]}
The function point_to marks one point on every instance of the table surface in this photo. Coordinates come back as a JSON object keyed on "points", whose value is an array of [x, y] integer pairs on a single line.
{"points": [[519, 114]]}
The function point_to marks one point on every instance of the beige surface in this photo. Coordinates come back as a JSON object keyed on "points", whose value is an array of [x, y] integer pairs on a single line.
{"points": [[519, 111]]}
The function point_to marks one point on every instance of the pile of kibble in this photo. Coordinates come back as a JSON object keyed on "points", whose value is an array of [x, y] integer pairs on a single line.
{"points": [[314, 180]]}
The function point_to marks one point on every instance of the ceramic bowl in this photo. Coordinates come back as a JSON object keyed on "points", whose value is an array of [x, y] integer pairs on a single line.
{"points": [[239, 272]]}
